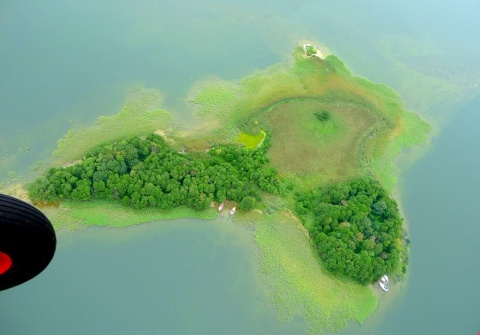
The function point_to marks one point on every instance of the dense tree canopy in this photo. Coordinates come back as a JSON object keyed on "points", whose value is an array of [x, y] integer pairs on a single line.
{"points": [[357, 229], [145, 172], [356, 226]]}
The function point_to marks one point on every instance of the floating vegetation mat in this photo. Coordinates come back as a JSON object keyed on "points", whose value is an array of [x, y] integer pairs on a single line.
{"points": [[140, 115], [298, 286], [109, 214]]}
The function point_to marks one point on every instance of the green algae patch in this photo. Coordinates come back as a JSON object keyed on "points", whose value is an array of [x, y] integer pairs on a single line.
{"points": [[140, 115], [216, 96], [414, 132], [299, 286], [251, 141]]}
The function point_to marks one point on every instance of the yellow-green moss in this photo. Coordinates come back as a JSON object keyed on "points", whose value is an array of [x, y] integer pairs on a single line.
{"points": [[251, 141]]}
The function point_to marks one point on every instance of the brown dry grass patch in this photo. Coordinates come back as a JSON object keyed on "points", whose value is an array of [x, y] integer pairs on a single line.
{"points": [[300, 147]]}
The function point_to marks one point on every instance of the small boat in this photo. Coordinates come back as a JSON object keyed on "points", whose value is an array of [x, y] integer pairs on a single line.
{"points": [[220, 207], [232, 211], [385, 279], [383, 286]]}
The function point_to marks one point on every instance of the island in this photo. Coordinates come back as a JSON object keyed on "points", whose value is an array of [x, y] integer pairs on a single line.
{"points": [[304, 151]]}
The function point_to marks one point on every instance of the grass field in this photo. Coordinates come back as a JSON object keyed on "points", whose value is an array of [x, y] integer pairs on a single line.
{"points": [[251, 141], [303, 145], [368, 129]]}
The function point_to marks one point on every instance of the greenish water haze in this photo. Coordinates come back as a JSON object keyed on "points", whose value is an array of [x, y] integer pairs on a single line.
{"points": [[173, 277], [440, 197], [67, 63]]}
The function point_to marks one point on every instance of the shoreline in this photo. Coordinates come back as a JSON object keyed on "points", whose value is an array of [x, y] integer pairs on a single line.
{"points": [[260, 101]]}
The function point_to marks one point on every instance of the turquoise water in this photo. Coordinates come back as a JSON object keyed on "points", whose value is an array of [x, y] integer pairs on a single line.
{"points": [[443, 199], [440, 197], [66, 63], [177, 277]]}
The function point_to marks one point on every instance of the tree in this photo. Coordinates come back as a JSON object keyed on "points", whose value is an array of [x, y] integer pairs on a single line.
{"points": [[247, 203], [323, 116], [82, 191], [356, 230], [145, 172]]}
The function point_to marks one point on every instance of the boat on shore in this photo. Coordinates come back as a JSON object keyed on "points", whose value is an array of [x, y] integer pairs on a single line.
{"points": [[232, 211], [220, 207], [383, 286], [385, 279]]}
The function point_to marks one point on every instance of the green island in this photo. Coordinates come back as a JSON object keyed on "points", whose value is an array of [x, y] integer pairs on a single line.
{"points": [[305, 151]]}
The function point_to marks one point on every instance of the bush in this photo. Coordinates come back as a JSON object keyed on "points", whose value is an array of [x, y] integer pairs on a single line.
{"points": [[311, 50], [323, 116], [247, 203]]}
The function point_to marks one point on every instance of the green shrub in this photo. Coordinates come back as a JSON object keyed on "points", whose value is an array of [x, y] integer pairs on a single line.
{"points": [[323, 116]]}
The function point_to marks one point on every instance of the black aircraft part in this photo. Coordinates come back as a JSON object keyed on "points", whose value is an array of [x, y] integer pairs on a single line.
{"points": [[27, 242]]}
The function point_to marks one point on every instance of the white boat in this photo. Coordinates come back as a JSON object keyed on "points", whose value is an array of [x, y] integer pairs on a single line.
{"points": [[383, 286], [220, 207], [385, 279], [232, 211]]}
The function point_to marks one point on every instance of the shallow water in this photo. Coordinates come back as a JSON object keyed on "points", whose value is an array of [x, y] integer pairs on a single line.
{"points": [[176, 277], [439, 194], [65, 64]]}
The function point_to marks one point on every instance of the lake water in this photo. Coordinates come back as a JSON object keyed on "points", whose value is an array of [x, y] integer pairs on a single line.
{"points": [[64, 64], [177, 277], [440, 198]]}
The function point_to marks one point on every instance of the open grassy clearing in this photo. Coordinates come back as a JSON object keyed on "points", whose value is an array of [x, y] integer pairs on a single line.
{"points": [[303, 145], [367, 119], [251, 141]]}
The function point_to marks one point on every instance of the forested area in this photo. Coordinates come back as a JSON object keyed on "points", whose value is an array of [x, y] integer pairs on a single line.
{"points": [[146, 172], [357, 229]]}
